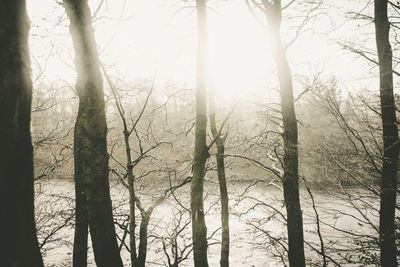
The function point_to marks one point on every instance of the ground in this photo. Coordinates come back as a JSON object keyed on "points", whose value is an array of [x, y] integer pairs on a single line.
{"points": [[257, 227]]}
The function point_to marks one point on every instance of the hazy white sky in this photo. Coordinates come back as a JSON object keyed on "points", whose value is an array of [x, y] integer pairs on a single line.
{"points": [[159, 35]]}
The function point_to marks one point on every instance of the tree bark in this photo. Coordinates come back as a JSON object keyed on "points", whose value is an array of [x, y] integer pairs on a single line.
{"points": [[79, 257], [90, 143], [390, 138], [199, 230], [290, 141], [18, 233]]}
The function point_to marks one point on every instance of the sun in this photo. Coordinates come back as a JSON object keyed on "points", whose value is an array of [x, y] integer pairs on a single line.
{"points": [[240, 63], [239, 56]]}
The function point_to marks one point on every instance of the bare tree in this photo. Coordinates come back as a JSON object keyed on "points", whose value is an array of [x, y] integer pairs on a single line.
{"points": [[19, 240], [179, 244], [390, 137], [139, 128], [219, 140], [273, 13], [92, 189], [352, 155], [199, 229], [138, 254]]}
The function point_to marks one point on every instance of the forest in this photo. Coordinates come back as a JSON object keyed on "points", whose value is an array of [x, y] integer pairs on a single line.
{"points": [[199, 133]]}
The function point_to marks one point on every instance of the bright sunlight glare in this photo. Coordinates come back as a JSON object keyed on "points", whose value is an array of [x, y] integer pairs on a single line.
{"points": [[157, 39]]}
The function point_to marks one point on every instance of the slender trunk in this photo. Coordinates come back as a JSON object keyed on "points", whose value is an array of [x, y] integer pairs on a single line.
{"points": [[90, 146], [290, 142], [143, 235], [129, 170], [220, 143], [390, 138], [199, 230], [224, 261], [132, 218], [291, 169], [177, 257], [18, 233], [131, 189], [142, 251]]}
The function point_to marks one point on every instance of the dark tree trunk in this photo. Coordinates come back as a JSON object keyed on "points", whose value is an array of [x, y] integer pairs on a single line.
{"points": [[220, 143], [199, 230], [90, 147], [18, 233], [291, 168], [140, 261], [290, 141], [224, 261], [390, 137], [142, 250]]}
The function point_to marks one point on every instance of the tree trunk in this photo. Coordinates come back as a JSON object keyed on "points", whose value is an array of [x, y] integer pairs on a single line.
{"points": [[199, 230], [220, 143], [129, 170], [141, 259], [224, 261], [132, 218], [291, 168], [290, 142], [90, 143], [18, 233], [390, 137]]}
